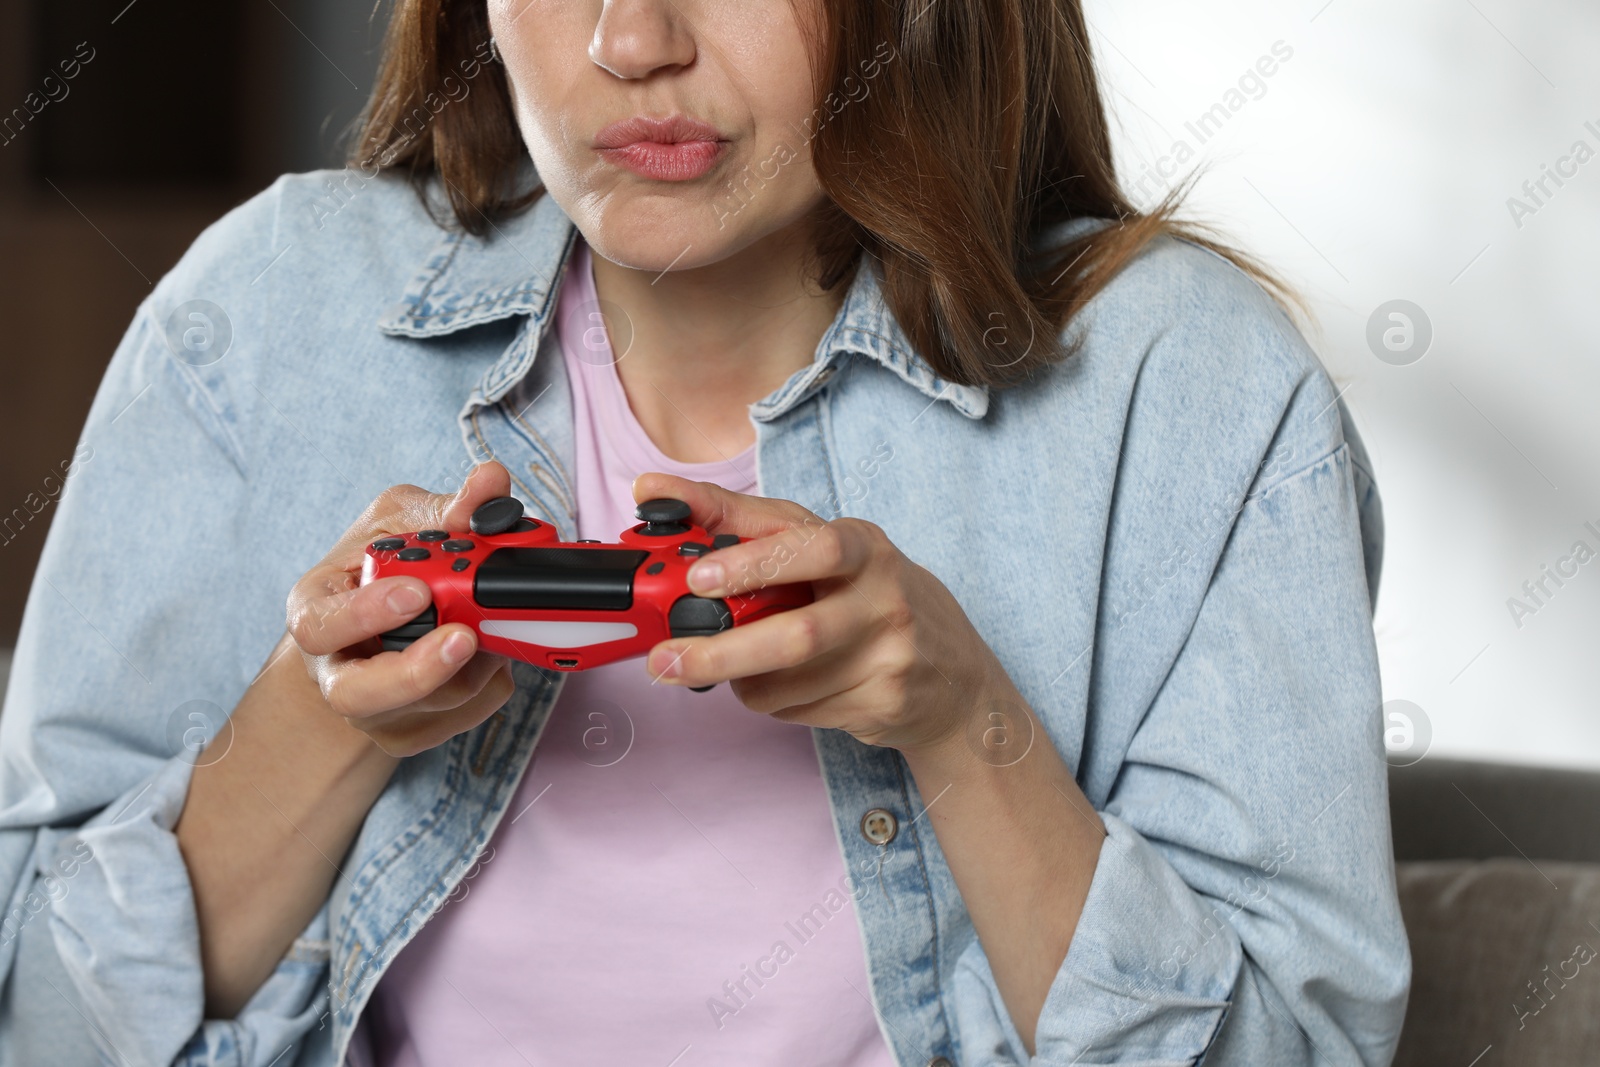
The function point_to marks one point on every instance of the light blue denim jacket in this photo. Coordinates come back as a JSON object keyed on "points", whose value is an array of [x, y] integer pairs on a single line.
{"points": [[1170, 542]]}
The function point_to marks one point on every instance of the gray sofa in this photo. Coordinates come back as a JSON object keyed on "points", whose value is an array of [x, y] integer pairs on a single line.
{"points": [[1499, 872]]}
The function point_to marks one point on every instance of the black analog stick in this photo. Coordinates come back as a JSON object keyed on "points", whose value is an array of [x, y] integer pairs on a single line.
{"points": [[662, 517], [496, 516]]}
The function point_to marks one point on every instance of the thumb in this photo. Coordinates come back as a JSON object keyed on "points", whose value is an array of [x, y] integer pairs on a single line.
{"points": [[484, 482], [721, 510]]}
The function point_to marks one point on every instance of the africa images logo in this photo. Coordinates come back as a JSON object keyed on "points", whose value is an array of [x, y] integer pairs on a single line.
{"points": [[1539, 191]]}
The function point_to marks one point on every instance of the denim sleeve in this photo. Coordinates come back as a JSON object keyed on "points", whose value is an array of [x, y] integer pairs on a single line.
{"points": [[129, 634], [1243, 910]]}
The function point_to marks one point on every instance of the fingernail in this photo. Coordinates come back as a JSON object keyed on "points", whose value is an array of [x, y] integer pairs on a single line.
{"points": [[706, 576], [666, 664], [406, 599], [457, 647]]}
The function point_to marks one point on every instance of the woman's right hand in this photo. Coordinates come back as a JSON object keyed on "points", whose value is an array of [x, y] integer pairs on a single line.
{"points": [[409, 701]]}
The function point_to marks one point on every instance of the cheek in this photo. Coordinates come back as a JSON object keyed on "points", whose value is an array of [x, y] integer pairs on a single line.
{"points": [[544, 46], [768, 60]]}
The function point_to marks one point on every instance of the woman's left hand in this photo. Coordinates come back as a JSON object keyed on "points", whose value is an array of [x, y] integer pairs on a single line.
{"points": [[884, 653]]}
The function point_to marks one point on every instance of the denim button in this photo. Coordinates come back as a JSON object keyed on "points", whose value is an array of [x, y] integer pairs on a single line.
{"points": [[940, 1061], [879, 826]]}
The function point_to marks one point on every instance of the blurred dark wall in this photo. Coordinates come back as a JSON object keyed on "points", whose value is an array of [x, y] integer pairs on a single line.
{"points": [[125, 129]]}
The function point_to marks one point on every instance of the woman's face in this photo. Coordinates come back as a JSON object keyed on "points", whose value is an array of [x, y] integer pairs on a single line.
{"points": [[724, 90]]}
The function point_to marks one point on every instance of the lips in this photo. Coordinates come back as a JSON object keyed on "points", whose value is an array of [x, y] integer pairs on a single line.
{"points": [[677, 148], [673, 130]]}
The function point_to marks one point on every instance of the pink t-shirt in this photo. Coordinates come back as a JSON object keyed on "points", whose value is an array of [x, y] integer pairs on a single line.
{"points": [[666, 887]]}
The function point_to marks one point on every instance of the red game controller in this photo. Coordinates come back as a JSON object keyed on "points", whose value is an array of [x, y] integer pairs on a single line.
{"points": [[568, 606]]}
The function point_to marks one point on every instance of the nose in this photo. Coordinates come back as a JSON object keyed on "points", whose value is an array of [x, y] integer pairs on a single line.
{"points": [[637, 38]]}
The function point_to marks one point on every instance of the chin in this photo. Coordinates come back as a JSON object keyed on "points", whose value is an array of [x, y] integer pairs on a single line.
{"points": [[654, 233]]}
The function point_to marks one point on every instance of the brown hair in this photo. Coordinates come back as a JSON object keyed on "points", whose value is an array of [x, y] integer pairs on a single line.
{"points": [[948, 136]]}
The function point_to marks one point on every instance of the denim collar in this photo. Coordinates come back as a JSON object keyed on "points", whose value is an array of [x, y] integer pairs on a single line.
{"points": [[469, 281]]}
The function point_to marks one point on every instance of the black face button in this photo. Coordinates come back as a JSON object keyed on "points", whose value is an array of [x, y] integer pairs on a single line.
{"points": [[388, 544], [461, 563], [693, 548], [496, 516], [458, 545], [432, 535], [663, 517], [412, 555], [724, 540], [654, 568], [587, 541]]}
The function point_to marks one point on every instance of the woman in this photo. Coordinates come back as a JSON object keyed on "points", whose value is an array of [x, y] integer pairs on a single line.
{"points": [[1093, 772]]}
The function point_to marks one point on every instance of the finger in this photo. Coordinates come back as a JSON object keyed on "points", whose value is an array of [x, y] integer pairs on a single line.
{"points": [[358, 686], [721, 510], [787, 639], [467, 684], [808, 697], [460, 688], [413, 730], [830, 691], [807, 552], [405, 508], [391, 512], [323, 624]]}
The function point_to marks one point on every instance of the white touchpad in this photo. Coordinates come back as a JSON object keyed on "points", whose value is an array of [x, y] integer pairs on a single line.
{"points": [[557, 634]]}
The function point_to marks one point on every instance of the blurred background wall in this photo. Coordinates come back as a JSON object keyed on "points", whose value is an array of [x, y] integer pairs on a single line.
{"points": [[1385, 159], [125, 129], [1419, 160]]}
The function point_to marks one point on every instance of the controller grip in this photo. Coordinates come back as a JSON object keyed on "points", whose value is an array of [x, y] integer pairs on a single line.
{"points": [[401, 637], [698, 616]]}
